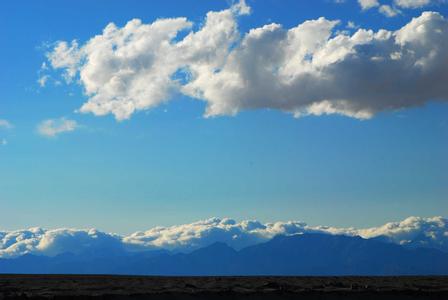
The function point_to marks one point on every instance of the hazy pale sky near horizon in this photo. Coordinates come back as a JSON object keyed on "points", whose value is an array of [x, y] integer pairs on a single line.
{"points": [[198, 136]]}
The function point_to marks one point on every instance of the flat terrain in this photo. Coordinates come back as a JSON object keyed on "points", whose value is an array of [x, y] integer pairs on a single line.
{"points": [[139, 287]]}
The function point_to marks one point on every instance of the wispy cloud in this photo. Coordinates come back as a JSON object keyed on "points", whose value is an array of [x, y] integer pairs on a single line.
{"points": [[388, 10], [5, 124], [414, 3], [54, 127], [42, 81]]}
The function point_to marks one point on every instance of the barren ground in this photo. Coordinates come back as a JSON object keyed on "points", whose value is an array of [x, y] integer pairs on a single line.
{"points": [[260, 288]]}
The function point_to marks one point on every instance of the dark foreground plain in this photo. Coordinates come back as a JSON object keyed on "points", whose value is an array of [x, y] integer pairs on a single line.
{"points": [[184, 288]]}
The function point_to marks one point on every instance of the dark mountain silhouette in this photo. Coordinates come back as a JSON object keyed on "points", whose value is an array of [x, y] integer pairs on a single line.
{"points": [[321, 254], [307, 254]]}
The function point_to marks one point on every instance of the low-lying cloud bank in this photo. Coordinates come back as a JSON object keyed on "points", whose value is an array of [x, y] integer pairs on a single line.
{"points": [[314, 68], [411, 232]]}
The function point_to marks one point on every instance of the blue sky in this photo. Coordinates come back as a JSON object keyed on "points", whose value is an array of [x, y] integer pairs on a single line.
{"points": [[168, 164]]}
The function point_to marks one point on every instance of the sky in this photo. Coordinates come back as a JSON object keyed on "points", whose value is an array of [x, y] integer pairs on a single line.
{"points": [[262, 110]]}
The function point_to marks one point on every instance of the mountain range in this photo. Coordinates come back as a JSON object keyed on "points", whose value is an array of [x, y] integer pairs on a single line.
{"points": [[305, 254]]}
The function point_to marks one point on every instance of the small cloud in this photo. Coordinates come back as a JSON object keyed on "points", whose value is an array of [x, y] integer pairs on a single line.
{"points": [[5, 124], [44, 66], [393, 10], [388, 11], [352, 25], [241, 8], [54, 127], [43, 80], [368, 4], [412, 3], [3, 142]]}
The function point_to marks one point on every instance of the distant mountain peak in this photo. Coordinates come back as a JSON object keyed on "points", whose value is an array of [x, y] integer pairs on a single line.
{"points": [[302, 254]]}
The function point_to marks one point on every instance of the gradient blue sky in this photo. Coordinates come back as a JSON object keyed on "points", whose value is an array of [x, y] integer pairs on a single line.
{"points": [[169, 165]]}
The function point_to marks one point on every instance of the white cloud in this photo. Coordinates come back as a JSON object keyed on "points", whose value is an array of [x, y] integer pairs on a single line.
{"points": [[413, 231], [309, 69], [58, 241], [127, 69], [388, 10], [412, 3], [428, 232], [368, 4], [54, 127], [199, 234], [42, 81], [393, 10], [65, 56], [352, 25], [53, 242], [5, 124]]}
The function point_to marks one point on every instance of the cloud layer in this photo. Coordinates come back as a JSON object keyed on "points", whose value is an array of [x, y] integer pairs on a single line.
{"points": [[312, 68], [411, 232]]}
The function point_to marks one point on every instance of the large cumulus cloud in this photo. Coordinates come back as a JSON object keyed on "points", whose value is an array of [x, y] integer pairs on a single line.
{"points": [[312, 68], [132, 68], [411, 232]]}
